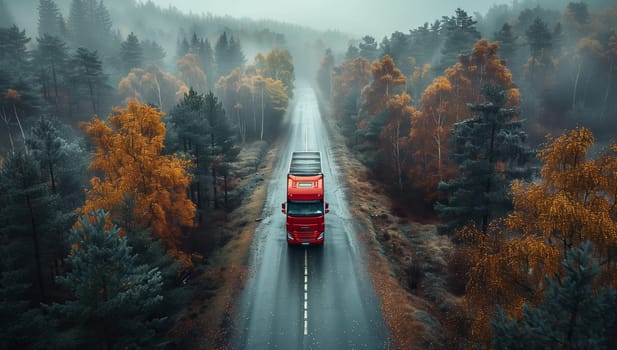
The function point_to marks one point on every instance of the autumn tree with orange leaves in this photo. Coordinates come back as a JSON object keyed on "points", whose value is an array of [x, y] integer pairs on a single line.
{"points": [[131, 171], [443, 103], [387, 81], [575, 201], [347, 82], [394, 139]]}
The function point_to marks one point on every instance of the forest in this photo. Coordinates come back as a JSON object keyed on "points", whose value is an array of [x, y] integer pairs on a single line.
{"points": [[118, 138], [498, 128], [116, 149]]}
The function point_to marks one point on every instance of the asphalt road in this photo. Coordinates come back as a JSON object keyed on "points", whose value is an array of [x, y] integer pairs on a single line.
{"points": [[308, 297]]}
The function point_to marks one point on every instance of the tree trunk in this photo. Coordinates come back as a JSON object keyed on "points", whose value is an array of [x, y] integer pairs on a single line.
{"points": [[226, 197], [53, 178], [607, 92], [35, 242], [578, 74], [55, 79], [261, 135], [214, 186], [487, 214]]}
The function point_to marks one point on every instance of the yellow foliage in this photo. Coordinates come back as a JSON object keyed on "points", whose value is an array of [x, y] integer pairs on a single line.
{"points": [[574, 202], [152, 85], [444, 102], [191, 72], [386, 78], [131, 171]]}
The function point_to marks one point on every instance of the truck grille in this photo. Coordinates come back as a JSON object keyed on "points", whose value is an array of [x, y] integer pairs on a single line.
{"points": [[304, 235]]}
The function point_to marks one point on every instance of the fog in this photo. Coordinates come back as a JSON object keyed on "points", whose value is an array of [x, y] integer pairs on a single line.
{"points": [[376, 18]]}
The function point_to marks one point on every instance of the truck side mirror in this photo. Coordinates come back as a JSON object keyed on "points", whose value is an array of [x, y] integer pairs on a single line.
{"points": [[283, 210], [327, 207]]}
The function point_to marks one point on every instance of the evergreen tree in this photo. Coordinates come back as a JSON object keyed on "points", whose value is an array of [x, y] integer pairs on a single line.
{"points": [[21, 326], [573, 314], [78, 24], [116, 298], [50, 19], [206, 57], [425, 42], [398, 46], [222, 147], [89, 81], [89, 25], [131, 53], [46, 144], [189, 125], [183, 48], [507, 45], [368, 48], [236, 57], [153, 53], [539, 38], [228, 55], [460, 35], [14, 54], [195, 44], [352, 53], [26, 219], [221, 56], [490, 151], [103, 21], [51, 58]]}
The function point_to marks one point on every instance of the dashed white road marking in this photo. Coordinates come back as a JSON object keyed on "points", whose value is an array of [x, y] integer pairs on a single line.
{"points": [[305, 292]]}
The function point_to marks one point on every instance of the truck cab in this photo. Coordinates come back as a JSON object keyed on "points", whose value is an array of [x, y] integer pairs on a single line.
{"points": [[305, 208]]}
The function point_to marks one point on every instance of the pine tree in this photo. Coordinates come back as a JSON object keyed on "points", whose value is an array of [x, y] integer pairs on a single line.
{"points": [[183, 48], [228, 55], [51, 57], [21, 326], [221, 56], [78, 24], [26, 219], [153, 53], [88, 79], [189, 124], [507, 45], [14, 54], [573, 315], [490, 151], [46, 145], [352, 53], [460, 35], [235, 54], [131, 53], [222, 148], [50, 19], [539, 38], [116, 298], [368, 48], [206, 56]]}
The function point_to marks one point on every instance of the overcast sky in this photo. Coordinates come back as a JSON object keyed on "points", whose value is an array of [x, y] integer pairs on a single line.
{"points": [[360, 17]]}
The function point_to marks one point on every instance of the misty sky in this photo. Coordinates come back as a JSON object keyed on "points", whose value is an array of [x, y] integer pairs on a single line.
{"points": [[373, 17]]}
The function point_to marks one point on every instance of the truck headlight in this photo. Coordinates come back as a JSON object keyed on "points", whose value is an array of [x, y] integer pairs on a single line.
{"points": [[320, 237], [290, 236]]}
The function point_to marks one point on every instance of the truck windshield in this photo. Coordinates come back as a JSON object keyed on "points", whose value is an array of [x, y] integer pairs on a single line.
{"points": [[305, 208]]}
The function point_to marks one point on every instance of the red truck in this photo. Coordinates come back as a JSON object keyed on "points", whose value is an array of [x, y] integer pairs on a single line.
{"points": [[305, 208]]}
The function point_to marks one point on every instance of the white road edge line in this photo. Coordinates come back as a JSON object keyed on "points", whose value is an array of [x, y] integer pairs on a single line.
{"points": [[305, 292]]}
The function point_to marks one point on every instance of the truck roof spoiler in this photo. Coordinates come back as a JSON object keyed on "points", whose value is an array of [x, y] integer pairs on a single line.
{"points": [[305, 163]]}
